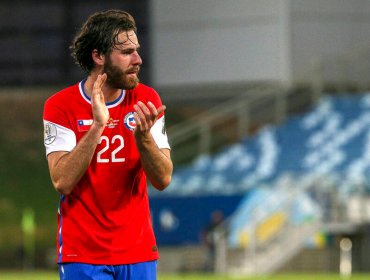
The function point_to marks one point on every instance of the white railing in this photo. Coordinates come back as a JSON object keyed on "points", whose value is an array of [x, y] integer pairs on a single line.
{"points": [[341, 73], [271, 104], [290, 238], [234, 116]]}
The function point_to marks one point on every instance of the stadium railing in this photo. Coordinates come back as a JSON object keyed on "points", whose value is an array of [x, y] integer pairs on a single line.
{"points": [[232, 120]]}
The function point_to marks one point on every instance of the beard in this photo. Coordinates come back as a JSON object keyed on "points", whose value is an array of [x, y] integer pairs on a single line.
{"points": [[116, 78]]}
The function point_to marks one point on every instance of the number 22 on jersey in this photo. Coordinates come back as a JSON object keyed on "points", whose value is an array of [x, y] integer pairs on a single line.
{"points": [[104, 143]]}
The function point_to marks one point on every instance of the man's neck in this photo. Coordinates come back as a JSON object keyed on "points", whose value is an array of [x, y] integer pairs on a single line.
{"points": [[110, 94]]}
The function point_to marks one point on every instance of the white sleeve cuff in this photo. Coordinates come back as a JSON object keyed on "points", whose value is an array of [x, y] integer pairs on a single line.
{"points": [[159, 134], [58, 138]]}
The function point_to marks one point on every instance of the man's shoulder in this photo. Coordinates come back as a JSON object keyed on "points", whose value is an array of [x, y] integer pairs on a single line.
{"points": [[145, 89], [64, 95], [148, 93]]}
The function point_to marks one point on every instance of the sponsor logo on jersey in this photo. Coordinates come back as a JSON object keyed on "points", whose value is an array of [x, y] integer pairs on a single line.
{"points": [[130, 121], [84, 125], [50, 133], [112, 123]]}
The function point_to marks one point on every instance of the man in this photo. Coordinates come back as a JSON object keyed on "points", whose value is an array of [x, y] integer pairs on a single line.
{"points": [[104, 136], [210, 233]]}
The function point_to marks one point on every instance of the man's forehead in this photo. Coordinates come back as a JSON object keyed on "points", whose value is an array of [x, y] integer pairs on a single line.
{"points": [[127, 38]]}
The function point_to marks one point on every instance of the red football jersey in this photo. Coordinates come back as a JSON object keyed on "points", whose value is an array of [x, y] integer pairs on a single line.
{"points": [[106, 219]]}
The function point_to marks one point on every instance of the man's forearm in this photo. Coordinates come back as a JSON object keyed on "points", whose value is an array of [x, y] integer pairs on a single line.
{"points": [[156, 163], [68, 169]]}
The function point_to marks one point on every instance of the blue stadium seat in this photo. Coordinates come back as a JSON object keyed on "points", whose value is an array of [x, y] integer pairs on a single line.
{"points": [[331, 138]]}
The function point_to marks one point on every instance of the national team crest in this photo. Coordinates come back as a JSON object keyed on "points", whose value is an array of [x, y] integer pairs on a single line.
{"points": [[129, 121]]}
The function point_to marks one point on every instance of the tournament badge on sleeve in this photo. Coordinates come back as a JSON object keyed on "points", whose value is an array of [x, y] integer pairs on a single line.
{"points": [[50, 133]]}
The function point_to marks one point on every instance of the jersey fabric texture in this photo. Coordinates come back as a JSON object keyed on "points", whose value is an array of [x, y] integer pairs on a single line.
{"points": [[106, 219]]}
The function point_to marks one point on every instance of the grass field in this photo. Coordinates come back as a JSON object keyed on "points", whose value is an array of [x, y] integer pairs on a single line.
{"points": [[39, 275]]}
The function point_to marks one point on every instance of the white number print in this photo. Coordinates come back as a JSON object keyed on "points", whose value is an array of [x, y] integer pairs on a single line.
{"points": [[116, 150], [103, 150], [104, 140]]}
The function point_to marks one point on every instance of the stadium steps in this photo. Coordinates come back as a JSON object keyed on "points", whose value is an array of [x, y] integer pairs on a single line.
{"points": [[273, 257]]}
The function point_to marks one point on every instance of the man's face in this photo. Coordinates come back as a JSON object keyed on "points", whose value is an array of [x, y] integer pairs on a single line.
{"points": [[122, 65]]}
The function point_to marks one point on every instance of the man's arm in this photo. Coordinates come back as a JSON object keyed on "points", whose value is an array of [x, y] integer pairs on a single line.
{"points": [[67, 168], [156, 162]]}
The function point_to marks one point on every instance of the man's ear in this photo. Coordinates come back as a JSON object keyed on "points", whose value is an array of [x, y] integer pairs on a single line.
{"points": [[98, 58]]}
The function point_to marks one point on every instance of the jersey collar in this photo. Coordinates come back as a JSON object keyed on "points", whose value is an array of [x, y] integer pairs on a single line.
{"points": [[109, 104]]}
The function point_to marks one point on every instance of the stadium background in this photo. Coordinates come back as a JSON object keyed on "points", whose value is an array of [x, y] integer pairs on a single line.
{"points": [[226, 70]]}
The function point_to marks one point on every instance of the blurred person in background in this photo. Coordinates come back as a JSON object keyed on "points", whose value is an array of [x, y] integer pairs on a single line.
{"points": [[209, 236], [104, 136]]}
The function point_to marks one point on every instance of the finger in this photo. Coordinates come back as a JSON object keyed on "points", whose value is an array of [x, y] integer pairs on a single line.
{"points": [[156, 112], [152, 108], [139, 111], [144, 108], [99, 82], [137, 120], [140, 116], [103, 79], [161, 109], [96, 83], [146, 116]]}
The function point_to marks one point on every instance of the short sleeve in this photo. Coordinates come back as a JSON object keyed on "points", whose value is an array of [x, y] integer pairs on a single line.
{"points": [[159, 128], [58, 135], [159, 134], [58, 138]]}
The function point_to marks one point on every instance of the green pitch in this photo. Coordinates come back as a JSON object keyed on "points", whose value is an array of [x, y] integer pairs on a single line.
{"points": [[301, 276]]}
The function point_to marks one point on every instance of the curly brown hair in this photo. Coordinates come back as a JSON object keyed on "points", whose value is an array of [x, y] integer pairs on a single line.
{"points": [[100, 32]]}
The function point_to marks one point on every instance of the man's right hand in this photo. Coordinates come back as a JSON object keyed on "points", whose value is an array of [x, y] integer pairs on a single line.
{"points": [[99, 109]]}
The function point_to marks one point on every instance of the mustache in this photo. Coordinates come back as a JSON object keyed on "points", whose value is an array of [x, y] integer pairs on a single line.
{"points": [[134, 69]]}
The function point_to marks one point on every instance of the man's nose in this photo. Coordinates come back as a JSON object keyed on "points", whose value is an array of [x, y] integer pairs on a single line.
{"points": [[136, 60]]}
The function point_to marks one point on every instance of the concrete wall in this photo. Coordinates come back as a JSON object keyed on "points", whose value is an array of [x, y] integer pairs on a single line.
{"points": [[331, 30], [205, 41]]}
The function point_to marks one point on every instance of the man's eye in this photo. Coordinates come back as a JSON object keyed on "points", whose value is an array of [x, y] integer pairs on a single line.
{"points": [[128, 52]]}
